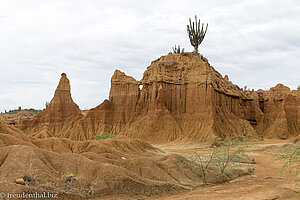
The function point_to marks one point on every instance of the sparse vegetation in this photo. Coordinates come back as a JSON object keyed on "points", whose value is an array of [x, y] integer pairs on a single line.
{"points": [[177, 50], [298, 88], [225, 154], [204, 164], [290, 159], [29, 172], [31, 110], [68, 174], [47, 104], [229, 153], [104, 135], [68, 180]]}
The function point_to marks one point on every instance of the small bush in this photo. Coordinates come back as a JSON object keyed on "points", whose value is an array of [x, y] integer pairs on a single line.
{"points": [[290, 160], [298, 88], [228, 153], [68, 180], [225, 154], [104, 135]]}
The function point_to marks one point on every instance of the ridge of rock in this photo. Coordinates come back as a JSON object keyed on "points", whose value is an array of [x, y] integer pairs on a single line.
{"points": [[61, 111], [182, 98]]}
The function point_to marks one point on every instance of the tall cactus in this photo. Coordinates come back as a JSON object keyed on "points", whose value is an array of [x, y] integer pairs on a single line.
{"points": [[196, 33]]}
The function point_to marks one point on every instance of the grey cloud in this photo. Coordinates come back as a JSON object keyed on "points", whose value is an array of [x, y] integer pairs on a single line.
{"points": [[255, 42]]}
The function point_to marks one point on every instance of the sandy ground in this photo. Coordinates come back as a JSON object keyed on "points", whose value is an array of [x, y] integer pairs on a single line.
{"points": [[267, 182]]}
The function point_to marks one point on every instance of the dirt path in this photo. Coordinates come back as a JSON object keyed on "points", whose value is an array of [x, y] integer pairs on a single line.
{"points": [[265, 183]]}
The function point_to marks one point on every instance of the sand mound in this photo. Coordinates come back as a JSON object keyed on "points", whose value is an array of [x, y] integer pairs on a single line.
{"points": [[9, 135], [95, 168], [98, 174], [296, 140], [280, 148]]}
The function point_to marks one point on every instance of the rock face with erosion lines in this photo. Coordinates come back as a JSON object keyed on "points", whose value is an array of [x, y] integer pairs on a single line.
{"points": [[281, 108], [180, 97], [60, 113]]}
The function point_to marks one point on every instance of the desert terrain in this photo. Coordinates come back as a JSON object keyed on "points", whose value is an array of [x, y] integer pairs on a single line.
{"points": [[267, 181], [141, 143]]}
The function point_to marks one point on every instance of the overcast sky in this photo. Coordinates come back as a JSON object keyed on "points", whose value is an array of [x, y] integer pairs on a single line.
{"points": [[255, 42]]}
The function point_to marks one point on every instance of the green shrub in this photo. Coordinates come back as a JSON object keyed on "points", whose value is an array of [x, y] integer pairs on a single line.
{"points": [[15, 111], [228, 153], [225, 154], [104, 135], [290, 160]]}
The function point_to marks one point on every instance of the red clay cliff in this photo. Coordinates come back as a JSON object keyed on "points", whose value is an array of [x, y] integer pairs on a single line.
{"points": [[182, 98]]}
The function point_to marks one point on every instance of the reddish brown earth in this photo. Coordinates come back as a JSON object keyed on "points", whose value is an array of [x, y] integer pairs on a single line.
{"points": [[268, 182], [183, 98], [16, 118], [124, 168], [183, 101], [60, 114], [117, 168]]}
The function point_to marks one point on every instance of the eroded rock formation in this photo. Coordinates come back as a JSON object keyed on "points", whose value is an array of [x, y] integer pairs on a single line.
{"points": [[195, 102], [60, 113], [281, 108], [182, 98]]}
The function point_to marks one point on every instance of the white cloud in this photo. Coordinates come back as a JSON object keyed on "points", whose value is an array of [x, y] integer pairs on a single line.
{"points": [[255, 42]]}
